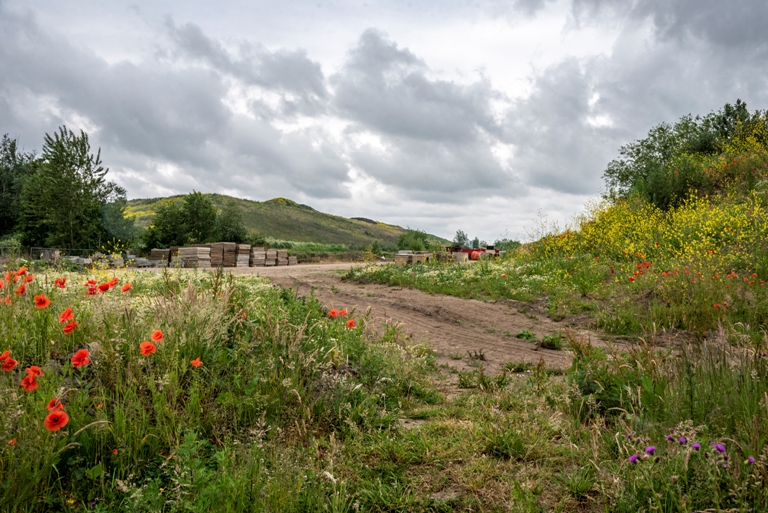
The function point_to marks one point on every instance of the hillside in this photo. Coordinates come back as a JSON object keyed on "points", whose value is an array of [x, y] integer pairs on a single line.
{"points": [[284, 219]]}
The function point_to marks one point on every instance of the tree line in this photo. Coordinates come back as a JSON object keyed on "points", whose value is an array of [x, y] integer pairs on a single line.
{"points": [[62, 198]]}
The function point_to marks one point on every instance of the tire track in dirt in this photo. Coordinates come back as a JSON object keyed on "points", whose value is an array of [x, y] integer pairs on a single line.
{"points": [[453, 327]]}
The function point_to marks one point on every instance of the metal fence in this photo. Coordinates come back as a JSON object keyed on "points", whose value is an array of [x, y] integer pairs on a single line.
{"points": [[51, 253]]}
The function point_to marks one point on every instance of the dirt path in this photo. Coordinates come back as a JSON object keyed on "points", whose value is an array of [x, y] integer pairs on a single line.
{"points": [[453, 327]]}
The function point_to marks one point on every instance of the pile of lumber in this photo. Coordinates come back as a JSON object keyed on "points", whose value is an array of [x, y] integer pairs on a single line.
{"points": [[292, 260], [271, 257], [282, 257], [230, 254], [243, 255], [160, 254], [217, 254], [195, 256], [258, 257]]}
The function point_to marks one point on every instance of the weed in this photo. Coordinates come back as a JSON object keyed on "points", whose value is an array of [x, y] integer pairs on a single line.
{"points": [[526, 335]]}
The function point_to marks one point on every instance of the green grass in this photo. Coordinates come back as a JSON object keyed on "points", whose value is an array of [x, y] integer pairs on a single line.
{"points": [[292, 411], [285, 220]]}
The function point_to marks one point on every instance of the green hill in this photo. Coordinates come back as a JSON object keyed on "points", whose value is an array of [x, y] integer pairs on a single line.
{"points": [[284, 219]]}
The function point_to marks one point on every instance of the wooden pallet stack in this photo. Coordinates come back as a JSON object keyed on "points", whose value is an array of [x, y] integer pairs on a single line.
{"points": [[271, 258], [282, 257], [243, 258], [230, 254], [292, 260], [195, 257], [217, 254], [160, 254], [258, 257]]}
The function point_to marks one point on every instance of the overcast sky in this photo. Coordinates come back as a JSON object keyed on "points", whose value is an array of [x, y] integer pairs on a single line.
{"points": [[441, 115]]}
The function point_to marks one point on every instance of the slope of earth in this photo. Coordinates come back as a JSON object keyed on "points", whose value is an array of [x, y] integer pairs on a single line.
{"points": [[284, 219], [464, 333]]}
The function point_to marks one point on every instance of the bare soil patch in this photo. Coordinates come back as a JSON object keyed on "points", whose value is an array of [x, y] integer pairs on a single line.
{"points": [[465, 333]]}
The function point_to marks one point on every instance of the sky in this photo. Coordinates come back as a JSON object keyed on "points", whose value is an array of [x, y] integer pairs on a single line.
{"points": [[493, 117]]}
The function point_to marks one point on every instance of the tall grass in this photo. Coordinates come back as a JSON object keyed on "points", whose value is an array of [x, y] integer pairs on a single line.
{"points": [[151, 433]]}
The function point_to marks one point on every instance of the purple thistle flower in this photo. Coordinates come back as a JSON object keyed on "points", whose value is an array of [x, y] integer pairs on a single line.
{"points": [[682, 440], [670, 438], [633, 459], [718, 447], [650, 449], [696, 446], [750, 460]]}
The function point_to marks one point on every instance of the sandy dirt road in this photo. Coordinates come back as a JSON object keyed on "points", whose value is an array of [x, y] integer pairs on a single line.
{"points": [[453, 327]]}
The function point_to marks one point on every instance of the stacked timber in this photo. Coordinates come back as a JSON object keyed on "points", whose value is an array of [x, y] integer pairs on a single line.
{"points": [[217, 254], [243, 258], [230, 254], [292, 260], [271, 258], [160, 254], [258, 257], [196, 257], [282, 257]]}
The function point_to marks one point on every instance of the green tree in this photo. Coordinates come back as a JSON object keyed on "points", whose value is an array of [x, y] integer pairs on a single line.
{"points": [[167, 228], [62, 199], [415, 240], [230, 226], [199, 216], [15, 167], [668, 164], [461, 238], [114, 222]]}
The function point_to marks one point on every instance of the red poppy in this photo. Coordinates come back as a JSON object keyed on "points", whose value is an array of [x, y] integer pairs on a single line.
{"points": [[716, 305], [34, 370], [2, 284], [8, 277], [147, 348], [66, 316], [631, 279], [114, 281], [504, 276], [9, 364], [6, 300], [28, 278], [92, 291], [28, 383], [12, 442], [56, 420], [126, 287], [80, 358], [333, 313], [21, 272], [90, 283], [343, 313], [196, 362], [351, 323], [5, 355], [21, 290], [60, 282], [42, 302], [54, 405], [104, 287], [114, 451], [69, 328], [157, 336]]}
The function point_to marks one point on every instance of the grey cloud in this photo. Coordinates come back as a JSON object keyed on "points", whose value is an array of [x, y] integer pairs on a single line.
{"points": [[386, 88], [289, 72], [437, 134], [149, 114], [556, 147]]}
